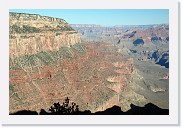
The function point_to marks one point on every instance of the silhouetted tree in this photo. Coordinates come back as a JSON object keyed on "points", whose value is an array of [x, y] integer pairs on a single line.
{"points": [[68, 108], [65, 108]]}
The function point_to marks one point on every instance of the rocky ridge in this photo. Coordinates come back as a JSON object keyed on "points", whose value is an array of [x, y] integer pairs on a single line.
{"points": [[32, 33]]}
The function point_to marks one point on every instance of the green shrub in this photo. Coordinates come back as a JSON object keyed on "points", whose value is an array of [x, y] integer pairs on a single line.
{"points": [[24, 29]]}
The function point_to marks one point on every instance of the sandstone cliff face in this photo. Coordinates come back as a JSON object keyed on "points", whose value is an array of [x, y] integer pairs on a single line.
{"points": [[30, 34]]}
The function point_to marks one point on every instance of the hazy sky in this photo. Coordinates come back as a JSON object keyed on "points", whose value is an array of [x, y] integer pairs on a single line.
{"points": [[105, 16]]}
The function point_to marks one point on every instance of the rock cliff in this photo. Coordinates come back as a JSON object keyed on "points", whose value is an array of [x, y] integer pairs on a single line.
{"points": [[31, 33]]}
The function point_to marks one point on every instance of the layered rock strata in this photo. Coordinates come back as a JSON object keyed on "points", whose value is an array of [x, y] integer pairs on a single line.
{"points": [[31, 33]]}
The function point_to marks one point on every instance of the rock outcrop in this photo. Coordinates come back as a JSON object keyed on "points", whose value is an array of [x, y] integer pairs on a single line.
{"points": [[31, 33]]}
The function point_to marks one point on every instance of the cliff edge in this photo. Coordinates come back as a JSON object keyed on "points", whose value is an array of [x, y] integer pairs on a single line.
{"points": [[32, 33]]}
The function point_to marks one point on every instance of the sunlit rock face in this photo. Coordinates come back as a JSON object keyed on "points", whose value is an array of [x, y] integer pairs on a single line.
{"points": [[30, 34]]}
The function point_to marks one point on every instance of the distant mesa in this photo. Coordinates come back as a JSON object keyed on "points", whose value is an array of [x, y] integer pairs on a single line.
{"points": [[124, 33]]}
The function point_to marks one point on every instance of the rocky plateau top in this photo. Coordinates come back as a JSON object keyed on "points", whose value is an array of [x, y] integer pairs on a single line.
{"points": [[42, 32]]}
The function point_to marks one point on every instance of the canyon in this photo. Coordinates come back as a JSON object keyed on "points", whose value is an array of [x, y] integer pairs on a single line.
{"points": [[96, 67]]}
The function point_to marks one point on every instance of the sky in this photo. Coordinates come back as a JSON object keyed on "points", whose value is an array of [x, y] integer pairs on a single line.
{"points": [[107, 17]]}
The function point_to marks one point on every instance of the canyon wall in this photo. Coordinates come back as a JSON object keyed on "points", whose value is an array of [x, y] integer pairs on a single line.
{"points": [[31, 33]]}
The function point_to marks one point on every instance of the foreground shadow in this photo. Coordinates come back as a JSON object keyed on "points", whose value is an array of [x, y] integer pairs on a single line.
{"points": [[148, 109], [25, 112]]}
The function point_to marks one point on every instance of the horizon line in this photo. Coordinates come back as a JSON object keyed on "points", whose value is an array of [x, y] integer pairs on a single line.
{"points": [[72, 21]]}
